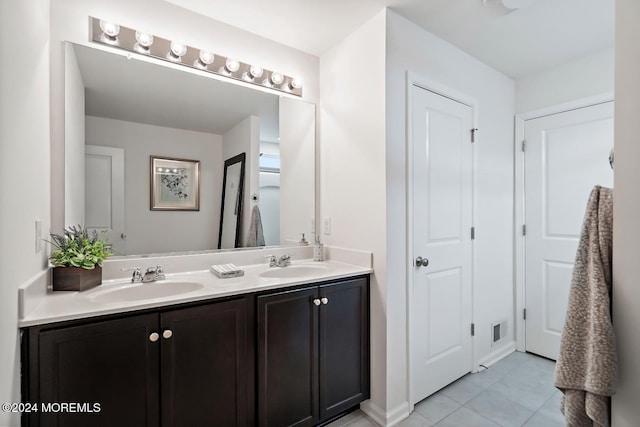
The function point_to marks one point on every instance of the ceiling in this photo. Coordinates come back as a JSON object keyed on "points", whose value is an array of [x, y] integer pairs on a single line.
{"points": [[142, 92], [540, 36]]}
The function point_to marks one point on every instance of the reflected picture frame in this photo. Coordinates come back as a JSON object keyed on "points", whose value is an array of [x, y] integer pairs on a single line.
{"points": [[175, 184]]}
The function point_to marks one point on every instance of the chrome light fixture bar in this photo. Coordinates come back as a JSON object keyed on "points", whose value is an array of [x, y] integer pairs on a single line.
{"points": [[144, 43]]}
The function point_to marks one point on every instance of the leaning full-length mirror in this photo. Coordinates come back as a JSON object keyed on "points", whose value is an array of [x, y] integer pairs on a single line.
{"points": [[122, 110]]}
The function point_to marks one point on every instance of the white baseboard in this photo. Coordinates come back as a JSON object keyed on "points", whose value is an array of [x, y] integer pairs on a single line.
{"points": [[499, 354], [382, 418]]}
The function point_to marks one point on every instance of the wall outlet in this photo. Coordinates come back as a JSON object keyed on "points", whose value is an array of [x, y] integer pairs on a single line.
{"points": [[326, 223]]}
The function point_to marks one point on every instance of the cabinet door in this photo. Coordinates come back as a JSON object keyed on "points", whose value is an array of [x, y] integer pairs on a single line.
{"points": [[205, 365], [287, 355], [112, 363], [344, 346]]}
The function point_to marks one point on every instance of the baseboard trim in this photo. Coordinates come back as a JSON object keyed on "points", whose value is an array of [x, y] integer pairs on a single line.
{"points": [[388, 418], [498, 354]]}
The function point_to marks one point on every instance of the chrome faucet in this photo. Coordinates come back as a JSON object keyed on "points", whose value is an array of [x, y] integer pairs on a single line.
{"points": [[153, 273], [137, 275], [283, 261]]}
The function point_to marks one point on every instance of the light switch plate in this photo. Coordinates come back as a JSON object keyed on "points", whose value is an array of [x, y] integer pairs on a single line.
{"points": [[327, 226], [38, 235]]}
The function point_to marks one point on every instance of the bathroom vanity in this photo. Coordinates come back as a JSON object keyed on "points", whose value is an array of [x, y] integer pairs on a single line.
{"points": [[256, 350]]}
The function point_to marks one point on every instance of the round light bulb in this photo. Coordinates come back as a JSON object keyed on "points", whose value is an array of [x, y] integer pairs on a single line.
{"points": [[232, 65], [255, 71], [206, 57], [178, 49], [276, 78], [145, 40], [295, 84], [109, 28]]}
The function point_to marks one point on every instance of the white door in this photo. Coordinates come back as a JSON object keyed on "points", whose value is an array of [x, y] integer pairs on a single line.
{"points": [[104, 194], [566, 155], [441, 350]]}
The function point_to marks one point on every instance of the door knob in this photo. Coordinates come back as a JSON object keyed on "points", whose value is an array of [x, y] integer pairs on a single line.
{"points": [[422, 262], [154, 336]]}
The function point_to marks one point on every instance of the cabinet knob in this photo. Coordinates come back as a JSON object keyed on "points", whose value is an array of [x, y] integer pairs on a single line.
{"points": [[167, 333], [154, 337], [316, 301], [324, 300]]}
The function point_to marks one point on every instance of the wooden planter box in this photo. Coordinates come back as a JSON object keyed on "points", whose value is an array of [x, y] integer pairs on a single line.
{"points": [[75, 278]]}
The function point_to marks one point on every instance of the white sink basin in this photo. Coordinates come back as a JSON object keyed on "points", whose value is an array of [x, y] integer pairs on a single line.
{"points": [[293, 271], [141, 291]]}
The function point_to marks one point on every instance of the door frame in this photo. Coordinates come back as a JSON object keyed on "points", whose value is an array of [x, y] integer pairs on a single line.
{"points": [[519, 201], [427, 83]]}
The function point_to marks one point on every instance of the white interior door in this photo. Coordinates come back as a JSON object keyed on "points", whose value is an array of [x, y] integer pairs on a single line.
{"points": [[566, 156], [441, 350], [104, 194]]}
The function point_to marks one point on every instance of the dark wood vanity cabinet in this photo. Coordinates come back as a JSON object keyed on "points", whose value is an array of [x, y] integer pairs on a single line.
{"points": [[198, 365], [313, 352], [191, 366]]}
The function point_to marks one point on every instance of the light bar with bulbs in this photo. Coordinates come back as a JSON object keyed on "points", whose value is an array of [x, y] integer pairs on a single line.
{"points": [[145, 43]]}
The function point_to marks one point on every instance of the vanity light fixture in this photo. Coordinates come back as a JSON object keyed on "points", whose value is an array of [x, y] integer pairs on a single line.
{"points": [[295, 84], [276, 79], [230, 66], [254, 72], [205, 58], [145, 43], [110, 32], [176, 52]]}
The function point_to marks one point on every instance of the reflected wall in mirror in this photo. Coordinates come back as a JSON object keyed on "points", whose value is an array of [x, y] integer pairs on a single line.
{"points": [[141, 108], [231, 214]]}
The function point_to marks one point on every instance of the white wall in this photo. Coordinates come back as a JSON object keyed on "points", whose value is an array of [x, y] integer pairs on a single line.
{"points": [[297, 169], [411, 48], [69, 21], [626, 209], [24, 170], [582, 78], [74, 134], [245, 138], [163, 231], [353, 170]]}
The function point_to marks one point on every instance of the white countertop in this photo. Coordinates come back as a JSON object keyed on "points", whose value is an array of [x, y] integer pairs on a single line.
{"points": [[62, 306]]}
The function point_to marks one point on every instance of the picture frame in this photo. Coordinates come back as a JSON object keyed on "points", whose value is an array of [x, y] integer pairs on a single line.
{"points": [[175, 184]]}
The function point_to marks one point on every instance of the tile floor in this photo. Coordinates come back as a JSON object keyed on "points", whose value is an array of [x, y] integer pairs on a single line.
{"points": [[517, 391]]}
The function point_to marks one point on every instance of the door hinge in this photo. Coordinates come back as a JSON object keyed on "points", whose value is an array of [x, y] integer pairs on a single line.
{"points": [[473, 134], [524, 229], [473, 233], [524, 145], [473, 329], [524, 313]]}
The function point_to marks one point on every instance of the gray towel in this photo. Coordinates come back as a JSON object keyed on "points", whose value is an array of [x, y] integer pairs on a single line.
{"points": [[256, 235], [586, 370]]}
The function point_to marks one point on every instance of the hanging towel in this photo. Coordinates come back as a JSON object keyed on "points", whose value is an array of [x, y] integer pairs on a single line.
{"points": [[586, 370], [256, 235]]}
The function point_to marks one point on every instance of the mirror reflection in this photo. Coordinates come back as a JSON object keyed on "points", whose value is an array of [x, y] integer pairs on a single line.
{"points": [[120, 112]]}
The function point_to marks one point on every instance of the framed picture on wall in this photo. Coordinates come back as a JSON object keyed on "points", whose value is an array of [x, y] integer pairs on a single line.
{"points": [[175, 184]]}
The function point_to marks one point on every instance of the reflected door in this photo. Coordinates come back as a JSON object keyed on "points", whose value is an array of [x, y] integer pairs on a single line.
{"points": [[441, 350], [567, 154], [104, 194]]}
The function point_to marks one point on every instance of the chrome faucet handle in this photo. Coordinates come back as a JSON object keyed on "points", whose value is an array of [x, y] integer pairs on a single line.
{"points": [[284, 260], [160, 272], [272, 260], [137, 274]]}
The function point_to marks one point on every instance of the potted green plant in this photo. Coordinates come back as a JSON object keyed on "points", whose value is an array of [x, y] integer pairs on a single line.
{"points": [[77, 259]]}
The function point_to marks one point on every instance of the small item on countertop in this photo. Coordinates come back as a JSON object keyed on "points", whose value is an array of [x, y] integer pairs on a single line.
{"points": [[225, 271]]}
